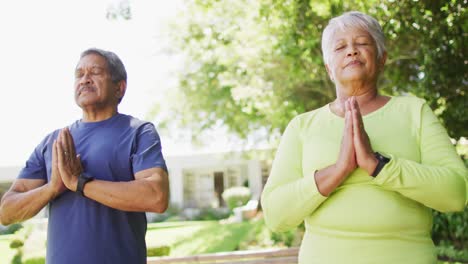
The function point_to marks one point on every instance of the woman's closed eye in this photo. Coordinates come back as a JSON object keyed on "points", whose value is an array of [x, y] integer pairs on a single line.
{"points": [[340, 47]]}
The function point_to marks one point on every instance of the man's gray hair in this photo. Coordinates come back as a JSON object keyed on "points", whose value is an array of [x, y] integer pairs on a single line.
{"points": [[352, 19], [116, 67]]}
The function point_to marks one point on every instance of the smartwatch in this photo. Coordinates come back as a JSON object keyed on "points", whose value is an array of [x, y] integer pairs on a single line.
{"points": [[381, 162], [82, 180]]}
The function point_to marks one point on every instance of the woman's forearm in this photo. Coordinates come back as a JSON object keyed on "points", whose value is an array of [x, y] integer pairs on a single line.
{"points": [[329, 178]]}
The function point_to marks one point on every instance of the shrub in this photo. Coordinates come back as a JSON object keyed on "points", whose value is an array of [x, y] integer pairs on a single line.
{"points": [[11, 229], [16, 243], [450, 235], [37, 260], [207, 214], [158, 251], [236, 196]]}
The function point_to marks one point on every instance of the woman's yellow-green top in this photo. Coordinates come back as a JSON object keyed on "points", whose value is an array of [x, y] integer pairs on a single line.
{"points": [[386, 219]]}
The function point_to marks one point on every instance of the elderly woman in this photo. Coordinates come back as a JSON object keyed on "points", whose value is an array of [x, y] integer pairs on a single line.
{"points": [[365, 170]]}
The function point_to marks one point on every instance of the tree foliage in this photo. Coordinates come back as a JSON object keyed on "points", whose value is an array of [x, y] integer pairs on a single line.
{"points": [[253, 65]]}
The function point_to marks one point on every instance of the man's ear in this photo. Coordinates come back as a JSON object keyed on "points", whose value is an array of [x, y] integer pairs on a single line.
{"points": [[120, 90]]}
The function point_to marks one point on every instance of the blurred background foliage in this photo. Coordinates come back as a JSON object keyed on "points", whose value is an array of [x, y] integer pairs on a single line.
{"points": [[251, 66]]}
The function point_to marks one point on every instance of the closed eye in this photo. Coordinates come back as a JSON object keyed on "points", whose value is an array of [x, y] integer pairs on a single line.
{"points": [[339, 48], [78, 74]]}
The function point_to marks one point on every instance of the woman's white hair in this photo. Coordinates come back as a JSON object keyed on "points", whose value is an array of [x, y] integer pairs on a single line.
{"points": [[352, 19]]}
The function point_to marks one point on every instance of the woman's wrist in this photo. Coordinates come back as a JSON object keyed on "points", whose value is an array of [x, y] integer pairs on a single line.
{"points": [[342, 169], [370, 164]]}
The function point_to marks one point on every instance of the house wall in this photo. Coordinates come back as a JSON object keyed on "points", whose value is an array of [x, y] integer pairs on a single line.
{"points": [[202, 168], [201, 164]]}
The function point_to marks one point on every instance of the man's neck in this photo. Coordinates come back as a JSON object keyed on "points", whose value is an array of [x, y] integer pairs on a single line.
{"points": [[95, 115]]}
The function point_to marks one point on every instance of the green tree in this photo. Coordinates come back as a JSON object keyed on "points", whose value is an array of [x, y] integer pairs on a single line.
{"points": [[253, 65]]}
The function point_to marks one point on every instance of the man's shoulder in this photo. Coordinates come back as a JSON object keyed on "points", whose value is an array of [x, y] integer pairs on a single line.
{"points": [[134, 122]]}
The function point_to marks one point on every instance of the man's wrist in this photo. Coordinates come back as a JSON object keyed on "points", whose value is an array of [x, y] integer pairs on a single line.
{"points": [[83, 179], [51, 191]]}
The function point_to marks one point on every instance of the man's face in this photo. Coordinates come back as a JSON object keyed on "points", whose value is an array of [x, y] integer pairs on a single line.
{"points": [[93, 84]]}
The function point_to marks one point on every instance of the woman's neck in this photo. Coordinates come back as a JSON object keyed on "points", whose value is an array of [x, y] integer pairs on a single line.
{"points": [[367, 102]]}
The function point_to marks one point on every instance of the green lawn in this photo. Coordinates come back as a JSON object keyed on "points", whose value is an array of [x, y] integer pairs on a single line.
{"points": [[183, 238], [201, 237]]}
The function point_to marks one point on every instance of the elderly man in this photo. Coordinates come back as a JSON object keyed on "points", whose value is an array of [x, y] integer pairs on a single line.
{"points": [[98, 176]]}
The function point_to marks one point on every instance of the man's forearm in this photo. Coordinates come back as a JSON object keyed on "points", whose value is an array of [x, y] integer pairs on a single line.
{"points": [[138, 196], [19, 206]]}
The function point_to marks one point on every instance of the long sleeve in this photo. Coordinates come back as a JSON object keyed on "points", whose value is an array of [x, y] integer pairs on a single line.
{"points": [[439, 180], [289, 196]]}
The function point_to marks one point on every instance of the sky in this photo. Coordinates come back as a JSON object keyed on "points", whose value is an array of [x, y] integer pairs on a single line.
{"points": [[41, 44]]}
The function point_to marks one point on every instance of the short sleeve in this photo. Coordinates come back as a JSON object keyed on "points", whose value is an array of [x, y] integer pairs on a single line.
{"points": [[147, 150], [35, 167]]}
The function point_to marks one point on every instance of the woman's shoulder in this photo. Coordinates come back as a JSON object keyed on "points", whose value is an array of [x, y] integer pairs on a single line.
{"points": [[407, 106], [309, 116], [408, 100]]}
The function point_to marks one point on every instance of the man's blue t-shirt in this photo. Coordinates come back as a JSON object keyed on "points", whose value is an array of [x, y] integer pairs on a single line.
{"points": [[81, 230]]}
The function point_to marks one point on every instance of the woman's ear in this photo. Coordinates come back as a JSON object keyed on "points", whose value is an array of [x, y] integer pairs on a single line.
{"points": [[329, 73], [382, 61]]}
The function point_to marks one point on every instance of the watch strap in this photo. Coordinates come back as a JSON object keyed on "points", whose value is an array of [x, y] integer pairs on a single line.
{"points": [[82, 180], [381, 162]]}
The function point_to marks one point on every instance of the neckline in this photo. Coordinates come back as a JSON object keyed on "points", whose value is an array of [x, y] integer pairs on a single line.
{"points": [[386, 105], [98, 123]]}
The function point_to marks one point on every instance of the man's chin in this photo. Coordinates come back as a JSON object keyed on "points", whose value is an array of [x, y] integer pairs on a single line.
{"points": [[86, 102]]}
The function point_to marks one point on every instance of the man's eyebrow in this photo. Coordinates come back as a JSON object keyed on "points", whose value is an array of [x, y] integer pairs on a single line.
{"points": [[92, 67]]}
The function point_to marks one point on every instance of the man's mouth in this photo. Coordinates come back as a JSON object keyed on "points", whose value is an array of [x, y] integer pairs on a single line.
{"points": [[86, 89]]}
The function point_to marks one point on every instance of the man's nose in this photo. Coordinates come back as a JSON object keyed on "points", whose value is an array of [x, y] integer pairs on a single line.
{"points": [[85, 79]]}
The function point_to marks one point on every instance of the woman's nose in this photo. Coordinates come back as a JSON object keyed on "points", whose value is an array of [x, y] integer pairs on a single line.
{"points": [[352, 51]]}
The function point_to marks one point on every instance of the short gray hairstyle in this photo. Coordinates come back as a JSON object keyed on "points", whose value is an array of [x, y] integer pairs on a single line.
{"points": [[353, 19], [116, 67]]}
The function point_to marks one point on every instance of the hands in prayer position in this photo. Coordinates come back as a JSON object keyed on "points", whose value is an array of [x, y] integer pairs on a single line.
{"points": [[66, 163], [356, 150]]}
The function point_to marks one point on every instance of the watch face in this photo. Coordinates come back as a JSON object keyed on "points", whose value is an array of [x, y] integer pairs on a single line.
{"points": [[381, 157], [87, 177]]}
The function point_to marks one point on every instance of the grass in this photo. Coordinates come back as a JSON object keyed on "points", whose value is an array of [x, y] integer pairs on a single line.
{"points": [[201, 237], [184, 238]]}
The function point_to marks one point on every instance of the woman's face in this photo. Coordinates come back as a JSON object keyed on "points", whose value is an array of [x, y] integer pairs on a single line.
{"points": [[353, 57]]}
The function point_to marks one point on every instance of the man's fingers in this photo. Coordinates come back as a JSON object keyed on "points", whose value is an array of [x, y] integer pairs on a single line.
{"points": [[65, 143], [59, 151], [69, 142], [54, 154]]}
